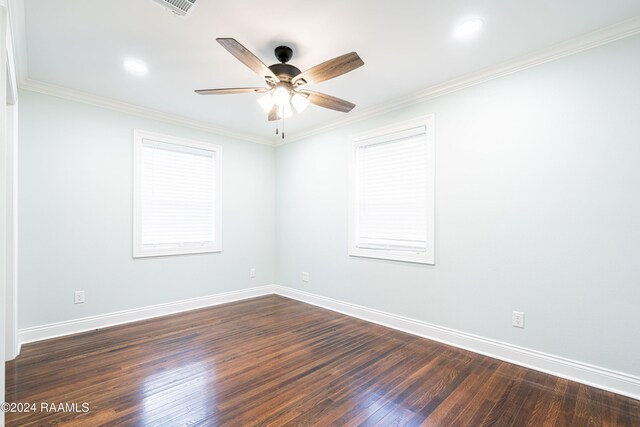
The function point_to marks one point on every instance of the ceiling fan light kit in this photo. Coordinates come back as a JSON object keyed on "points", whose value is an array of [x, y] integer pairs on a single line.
{"points": [[266, 102], [281, 95], [299, 102], [286, 85]]}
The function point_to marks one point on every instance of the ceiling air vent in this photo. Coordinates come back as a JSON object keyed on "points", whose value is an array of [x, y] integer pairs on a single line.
{"points": [[179, 7]]}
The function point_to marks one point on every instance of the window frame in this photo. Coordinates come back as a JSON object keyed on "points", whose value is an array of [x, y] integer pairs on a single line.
{"points": [[139, 136], [369, 138]]}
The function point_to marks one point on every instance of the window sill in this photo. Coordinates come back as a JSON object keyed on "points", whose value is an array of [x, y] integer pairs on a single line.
{"points": [[145, 253], [392, 256]]}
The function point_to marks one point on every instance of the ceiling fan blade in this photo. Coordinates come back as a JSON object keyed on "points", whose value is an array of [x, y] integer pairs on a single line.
{"points": [[327, 70], [328, 101], [273, 114], [231, 90], [247, 58]]}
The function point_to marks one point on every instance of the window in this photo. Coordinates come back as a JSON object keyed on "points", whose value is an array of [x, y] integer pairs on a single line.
{"points": [[392, 174], [177, 195]]}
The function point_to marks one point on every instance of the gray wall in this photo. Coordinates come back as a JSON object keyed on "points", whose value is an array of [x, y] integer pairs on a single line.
{"points": [[75, 210], [537, 210]]}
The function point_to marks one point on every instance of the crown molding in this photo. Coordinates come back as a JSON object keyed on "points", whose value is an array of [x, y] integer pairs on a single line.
{"points": [[136, 110], [19, 37], [587, 41]]}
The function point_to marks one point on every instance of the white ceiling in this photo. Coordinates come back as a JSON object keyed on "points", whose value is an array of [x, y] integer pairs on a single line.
{"points": [[406, 46]]}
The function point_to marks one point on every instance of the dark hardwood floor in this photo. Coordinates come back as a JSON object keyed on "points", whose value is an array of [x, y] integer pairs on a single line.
{"points": [[275, 361]]}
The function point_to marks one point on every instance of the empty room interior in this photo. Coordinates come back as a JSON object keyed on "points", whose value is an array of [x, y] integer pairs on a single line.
{"points": [[362, 213]]}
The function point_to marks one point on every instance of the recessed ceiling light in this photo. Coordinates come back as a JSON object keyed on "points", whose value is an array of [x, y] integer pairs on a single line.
{"points": [[136, 67], [468, 28]]}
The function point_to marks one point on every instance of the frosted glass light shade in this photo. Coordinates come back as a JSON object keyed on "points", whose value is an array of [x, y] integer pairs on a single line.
{"points": [[281, 97], [266, 102], [299, 102]]}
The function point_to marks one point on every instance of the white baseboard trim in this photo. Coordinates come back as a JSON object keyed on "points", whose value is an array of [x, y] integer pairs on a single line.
{"points": [[606, 379], [53, 330]]}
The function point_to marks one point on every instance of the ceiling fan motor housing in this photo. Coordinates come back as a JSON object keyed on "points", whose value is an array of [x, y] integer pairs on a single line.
{"points": [[285, 72], [283, 54]]}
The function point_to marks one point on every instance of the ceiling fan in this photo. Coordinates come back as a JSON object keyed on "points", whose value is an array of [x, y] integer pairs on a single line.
{"points": [[286, 84]]}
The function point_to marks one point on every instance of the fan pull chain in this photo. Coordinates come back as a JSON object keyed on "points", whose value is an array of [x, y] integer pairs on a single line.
{"points": [[282, 116]]}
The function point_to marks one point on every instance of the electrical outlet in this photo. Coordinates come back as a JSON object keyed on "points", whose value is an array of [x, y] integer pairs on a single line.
{"points": [[252, 273], [78, 297], [305, 276], [517, 319]]}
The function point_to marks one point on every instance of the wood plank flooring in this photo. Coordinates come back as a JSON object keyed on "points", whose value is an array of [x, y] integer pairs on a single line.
{"points": [[278, 362]]}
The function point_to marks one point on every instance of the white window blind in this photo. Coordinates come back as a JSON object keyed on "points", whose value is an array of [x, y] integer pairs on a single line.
{"points": [[392, 205], [176, 198]]}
